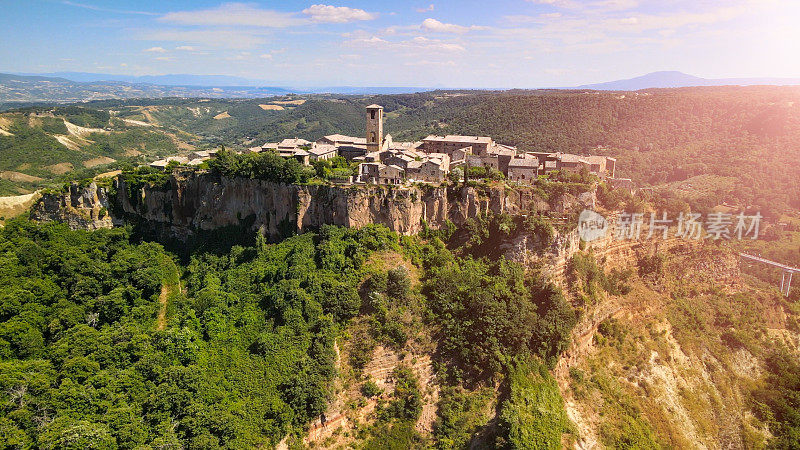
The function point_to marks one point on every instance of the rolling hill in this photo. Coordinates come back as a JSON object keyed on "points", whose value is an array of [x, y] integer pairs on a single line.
{"points": [[746, 134]]}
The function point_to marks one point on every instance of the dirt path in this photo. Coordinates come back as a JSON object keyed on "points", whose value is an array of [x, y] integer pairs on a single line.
{"points": [[168, 288], [162, 312]]}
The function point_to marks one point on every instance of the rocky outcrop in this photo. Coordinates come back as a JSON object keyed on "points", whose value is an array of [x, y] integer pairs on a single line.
{"points": [[79, 207], [193, 202]]}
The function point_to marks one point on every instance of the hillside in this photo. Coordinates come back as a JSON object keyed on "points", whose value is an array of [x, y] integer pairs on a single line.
{"points": [[681, 359], [750, 134], [39, 147], [364, 338]]}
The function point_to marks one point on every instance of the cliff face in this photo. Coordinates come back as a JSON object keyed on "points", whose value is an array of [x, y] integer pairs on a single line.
{"points": [[672, 369], [80, 207], [193, 202]]}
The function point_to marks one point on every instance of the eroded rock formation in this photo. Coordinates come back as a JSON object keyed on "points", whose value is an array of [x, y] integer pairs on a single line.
{"points": [[198, 201], [84, 207]]}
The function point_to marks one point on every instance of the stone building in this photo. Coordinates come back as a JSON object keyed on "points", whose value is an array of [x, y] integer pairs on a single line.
{"points": [[289, 144], [374, 128], [302, 156], [379, 173], [321, 152], [338, 140], [430, 170], [163, 163], [523, 170], [448, 144]]}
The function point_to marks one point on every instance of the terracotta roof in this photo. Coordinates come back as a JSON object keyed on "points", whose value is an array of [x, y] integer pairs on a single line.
{"points": [[165, 161], [321, 149], [459, 139], [570, 158], [524, 162], [293, 143], [346, 139]]}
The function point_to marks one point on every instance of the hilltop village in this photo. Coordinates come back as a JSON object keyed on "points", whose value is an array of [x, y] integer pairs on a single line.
{"points": [[381, 160]]}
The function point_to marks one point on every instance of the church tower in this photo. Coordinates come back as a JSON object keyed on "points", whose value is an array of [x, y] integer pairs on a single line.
{"points": [[374, 128]]}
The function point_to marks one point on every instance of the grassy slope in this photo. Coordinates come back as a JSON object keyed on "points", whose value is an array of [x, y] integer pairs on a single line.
{"points": [[37, 150], [676, 364]]}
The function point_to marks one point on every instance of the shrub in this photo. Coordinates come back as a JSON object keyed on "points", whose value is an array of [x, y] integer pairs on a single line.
{"points": [[398, 283], [533, 416], [370, 389], [264, 166], [407, 401]]}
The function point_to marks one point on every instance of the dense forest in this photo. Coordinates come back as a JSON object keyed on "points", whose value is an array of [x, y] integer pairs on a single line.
{"points": [[106, 342]]}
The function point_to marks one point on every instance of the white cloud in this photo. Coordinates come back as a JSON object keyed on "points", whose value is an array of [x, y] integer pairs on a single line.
{"points": [[417, 43], [435, 44], [337, 14], [234, 14], [155, 50], [186, 48], [430, 63], [615, 5], [428, 9], [373, 40], [559, 3], [241, 56], [271, 54], [599, 5], [213, 37], [434, 26], [164, 58], [109, 10]]}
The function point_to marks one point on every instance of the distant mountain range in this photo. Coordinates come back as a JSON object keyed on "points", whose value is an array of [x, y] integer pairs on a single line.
{"points": [[69, 87], [20, 89], [223, 81], [164, 80], [674, 79]]}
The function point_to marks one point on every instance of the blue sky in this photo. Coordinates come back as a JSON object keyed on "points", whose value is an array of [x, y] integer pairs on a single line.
{"points": [[453, 43]]}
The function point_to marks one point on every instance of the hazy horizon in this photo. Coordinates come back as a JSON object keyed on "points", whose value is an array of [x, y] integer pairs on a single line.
{"points": [[467, 44]]}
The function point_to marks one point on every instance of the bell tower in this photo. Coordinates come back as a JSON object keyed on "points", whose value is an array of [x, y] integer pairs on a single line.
{"points": [[374, 128]]}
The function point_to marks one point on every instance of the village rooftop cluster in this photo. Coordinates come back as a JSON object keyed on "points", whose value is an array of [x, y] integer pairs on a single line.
{"points": [[381, 160]]}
